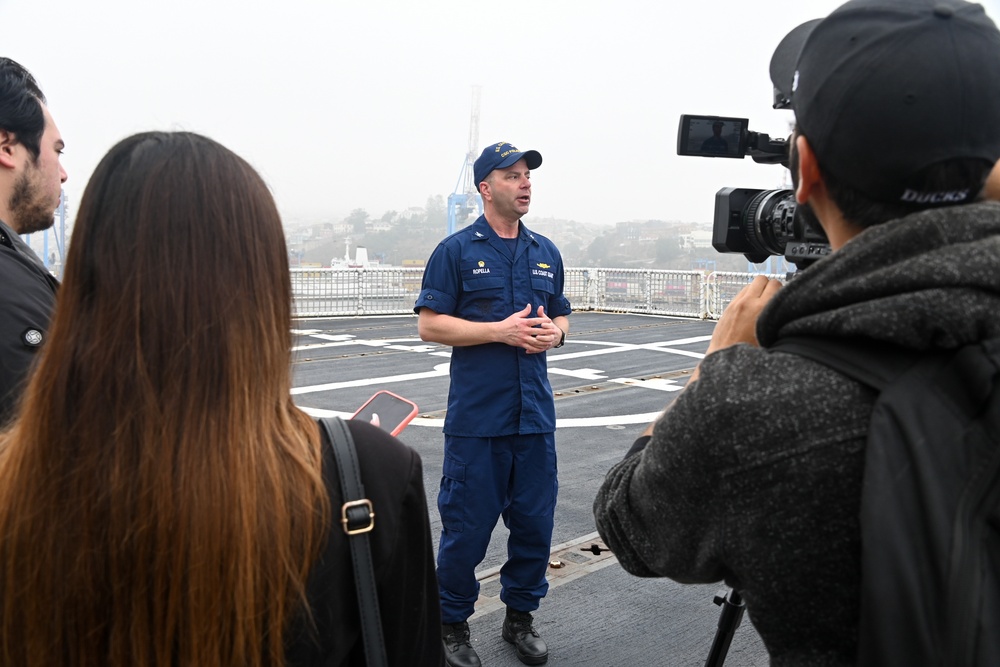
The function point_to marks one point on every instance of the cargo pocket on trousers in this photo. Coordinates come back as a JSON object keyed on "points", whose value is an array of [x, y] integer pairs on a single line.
{"points": [[451, 497]]}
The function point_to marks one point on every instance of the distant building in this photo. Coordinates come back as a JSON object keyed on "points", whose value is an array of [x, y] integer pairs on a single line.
{"points": [[699, 238], [412, 212], [299, 237], [627, 231]]}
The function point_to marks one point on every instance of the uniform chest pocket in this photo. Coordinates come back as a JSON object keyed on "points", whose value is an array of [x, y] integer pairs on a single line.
{"points": [[479, 276], [546, 285], [543, 275], [483, 287], [480, 283]]}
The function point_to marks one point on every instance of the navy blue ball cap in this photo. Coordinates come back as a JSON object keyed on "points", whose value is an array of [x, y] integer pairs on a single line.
{"points": [[884, 89], [500, 156]]}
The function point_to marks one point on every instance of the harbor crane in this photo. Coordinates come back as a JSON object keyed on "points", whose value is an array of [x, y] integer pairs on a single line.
{"points": [[465, 199]]}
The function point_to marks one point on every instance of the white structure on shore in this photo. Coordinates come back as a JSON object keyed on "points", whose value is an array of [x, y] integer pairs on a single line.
{"points": [[360, 260]]}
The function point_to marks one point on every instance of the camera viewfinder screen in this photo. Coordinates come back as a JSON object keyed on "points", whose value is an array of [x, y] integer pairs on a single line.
{"points": [[711, 136]]}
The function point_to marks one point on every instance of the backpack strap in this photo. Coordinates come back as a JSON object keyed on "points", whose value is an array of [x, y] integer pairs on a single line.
{"points": [[357, 517], [873, 363]]}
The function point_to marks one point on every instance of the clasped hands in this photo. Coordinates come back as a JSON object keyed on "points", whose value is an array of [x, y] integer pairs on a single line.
{"points": [[533, 333]]}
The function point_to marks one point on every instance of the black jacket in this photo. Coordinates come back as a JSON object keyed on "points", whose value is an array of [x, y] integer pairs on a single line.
{"points": [[754, 474], [27, 297], [402, 554]]}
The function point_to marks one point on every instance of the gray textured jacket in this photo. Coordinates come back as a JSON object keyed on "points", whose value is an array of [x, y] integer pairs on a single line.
{"points": [[754, 474]]}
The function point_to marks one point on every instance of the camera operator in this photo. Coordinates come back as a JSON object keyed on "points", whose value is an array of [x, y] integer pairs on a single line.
{"points": [[753, 475]]}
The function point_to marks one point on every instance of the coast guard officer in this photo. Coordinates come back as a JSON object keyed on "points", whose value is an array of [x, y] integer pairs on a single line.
{"points": [[494, 292]]}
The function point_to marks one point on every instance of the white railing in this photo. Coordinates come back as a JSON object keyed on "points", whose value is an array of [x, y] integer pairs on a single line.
{"points": [[392, 290], [380, 291]]}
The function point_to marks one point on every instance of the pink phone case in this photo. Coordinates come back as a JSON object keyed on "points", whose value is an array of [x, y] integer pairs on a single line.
{"points": [[394, 412]]}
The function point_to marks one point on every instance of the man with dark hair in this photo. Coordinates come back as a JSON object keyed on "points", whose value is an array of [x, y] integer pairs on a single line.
{"points": [[31, 179], [753, 475], [494, 292]]}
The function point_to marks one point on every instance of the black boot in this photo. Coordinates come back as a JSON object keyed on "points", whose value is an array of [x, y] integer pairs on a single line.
{"points": [[458, 651], [517, 629]]}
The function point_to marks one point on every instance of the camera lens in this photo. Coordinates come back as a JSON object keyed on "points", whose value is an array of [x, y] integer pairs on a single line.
{"points": [[769, 221]]}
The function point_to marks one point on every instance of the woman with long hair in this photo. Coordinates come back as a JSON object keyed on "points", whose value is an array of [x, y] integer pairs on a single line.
{"points": [[162, 500]]}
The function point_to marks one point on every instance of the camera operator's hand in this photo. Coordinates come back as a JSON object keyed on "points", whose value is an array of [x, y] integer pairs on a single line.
{"points": [[738, 323]]}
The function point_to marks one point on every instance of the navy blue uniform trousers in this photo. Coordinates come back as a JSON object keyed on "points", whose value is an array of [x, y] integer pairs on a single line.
{"points": [[484, 478]]}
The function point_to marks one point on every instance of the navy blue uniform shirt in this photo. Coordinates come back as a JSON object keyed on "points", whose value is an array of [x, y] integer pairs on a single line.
{"points": [[496, 389]]}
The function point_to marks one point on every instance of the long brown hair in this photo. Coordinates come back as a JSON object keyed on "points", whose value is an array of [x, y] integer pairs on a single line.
{"points": [[161, 499]]}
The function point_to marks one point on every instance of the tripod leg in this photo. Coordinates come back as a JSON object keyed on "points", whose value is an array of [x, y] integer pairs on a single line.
{"points": [[730, 618]]}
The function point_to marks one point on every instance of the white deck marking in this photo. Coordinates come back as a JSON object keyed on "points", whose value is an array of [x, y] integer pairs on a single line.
{"points": [[441, 370], [660, 384], [615, 348], [581, 373], [438, 422]]}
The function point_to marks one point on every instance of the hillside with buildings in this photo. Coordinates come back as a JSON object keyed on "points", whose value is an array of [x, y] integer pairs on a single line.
{"points": [[406, 238]]}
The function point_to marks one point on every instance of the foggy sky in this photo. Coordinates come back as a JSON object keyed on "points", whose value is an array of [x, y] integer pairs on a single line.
{"points": [[366, 104]]}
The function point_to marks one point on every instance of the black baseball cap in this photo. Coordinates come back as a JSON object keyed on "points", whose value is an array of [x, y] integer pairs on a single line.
{"points": [[883, 89], [500, 156]]}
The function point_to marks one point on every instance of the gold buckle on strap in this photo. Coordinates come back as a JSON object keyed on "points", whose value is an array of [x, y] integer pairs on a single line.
{"points": [[364, 502]]}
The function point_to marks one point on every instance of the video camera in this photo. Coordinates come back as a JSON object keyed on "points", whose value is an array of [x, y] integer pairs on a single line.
{"points": [[757, 223]]}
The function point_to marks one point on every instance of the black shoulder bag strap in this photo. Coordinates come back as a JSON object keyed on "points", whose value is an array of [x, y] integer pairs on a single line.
{"points": [[357, 517]]}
